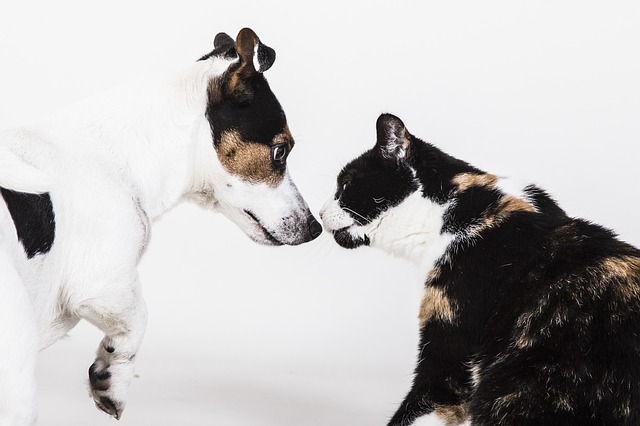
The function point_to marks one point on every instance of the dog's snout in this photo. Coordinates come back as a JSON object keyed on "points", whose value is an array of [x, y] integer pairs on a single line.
{"points": [[315, 229]]}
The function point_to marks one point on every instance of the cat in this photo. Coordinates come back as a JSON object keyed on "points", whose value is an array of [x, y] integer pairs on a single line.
{"points": [[529, 316]]}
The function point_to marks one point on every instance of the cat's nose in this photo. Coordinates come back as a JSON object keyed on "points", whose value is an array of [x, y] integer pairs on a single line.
{"points": [[324, 208]]}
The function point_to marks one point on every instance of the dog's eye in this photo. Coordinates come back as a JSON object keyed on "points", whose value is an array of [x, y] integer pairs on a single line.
{"points": [[279, 153]]}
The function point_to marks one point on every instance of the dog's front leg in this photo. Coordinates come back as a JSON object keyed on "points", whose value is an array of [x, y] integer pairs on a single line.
{"points": [[122, 314]]}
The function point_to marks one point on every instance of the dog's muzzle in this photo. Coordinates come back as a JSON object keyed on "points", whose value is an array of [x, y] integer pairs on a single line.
{"points": [[294, 231]]}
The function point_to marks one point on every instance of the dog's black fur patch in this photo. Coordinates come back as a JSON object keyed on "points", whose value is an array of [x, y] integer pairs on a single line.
{"points": [[545, 308], [257, 115], [33, 218]]}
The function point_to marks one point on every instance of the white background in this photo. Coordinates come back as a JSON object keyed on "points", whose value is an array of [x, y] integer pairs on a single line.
{"points": [[241, 334]]}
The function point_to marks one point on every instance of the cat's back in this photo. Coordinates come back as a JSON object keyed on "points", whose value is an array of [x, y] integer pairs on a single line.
{"points": [[590, 267], [572, 345]]}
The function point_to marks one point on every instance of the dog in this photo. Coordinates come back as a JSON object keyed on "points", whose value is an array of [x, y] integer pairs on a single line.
{"points": [[529, 316], [81, 189]]}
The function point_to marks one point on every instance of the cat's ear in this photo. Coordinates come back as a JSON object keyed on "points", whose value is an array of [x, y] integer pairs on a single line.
{"points": [[392, 137]]}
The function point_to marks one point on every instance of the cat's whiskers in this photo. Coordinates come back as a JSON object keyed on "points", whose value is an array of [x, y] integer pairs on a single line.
{"points": [[357, 214]]}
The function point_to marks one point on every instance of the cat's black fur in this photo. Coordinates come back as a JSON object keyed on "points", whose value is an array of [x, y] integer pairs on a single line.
{"points": [[530, 317]]}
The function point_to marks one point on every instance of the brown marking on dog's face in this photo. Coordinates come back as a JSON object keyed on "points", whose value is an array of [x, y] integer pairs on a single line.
{"points": [[452, 414], [251, 161], [284, 137], [433, 274], [465, 181], [435, 304]]}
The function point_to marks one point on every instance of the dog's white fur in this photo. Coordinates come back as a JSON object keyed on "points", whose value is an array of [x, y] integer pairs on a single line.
{"points": [[112, 165]]}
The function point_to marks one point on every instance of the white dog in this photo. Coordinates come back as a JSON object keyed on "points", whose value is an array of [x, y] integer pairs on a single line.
{"points": [[80, 190]]}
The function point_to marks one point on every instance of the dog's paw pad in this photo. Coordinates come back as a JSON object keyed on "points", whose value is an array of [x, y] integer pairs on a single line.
{"points": [[99, 376]]}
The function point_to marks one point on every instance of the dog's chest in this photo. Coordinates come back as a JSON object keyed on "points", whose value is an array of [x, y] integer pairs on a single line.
{"points": [[33, 219]]}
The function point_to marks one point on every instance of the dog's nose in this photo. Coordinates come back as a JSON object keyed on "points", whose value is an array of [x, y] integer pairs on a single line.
{"points": [[315, 228]]}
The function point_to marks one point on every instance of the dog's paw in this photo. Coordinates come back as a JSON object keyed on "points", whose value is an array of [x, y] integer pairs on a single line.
{"points": [[108, 383]]}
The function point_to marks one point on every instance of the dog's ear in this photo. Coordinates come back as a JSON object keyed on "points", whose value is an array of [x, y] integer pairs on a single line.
{"points": [[223, 41], [253, 53], [255, 58], [223, 46], [393, 139]]}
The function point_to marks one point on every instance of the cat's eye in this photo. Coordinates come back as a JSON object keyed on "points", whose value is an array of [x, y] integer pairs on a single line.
{"points": [[279, 153], [342, 186]]}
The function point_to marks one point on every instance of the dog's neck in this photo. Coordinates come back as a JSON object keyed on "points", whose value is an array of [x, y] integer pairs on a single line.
{"points": [[164, 141], [190, 164]]}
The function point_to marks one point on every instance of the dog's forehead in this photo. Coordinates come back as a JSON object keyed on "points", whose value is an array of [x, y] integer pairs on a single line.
{"points": [[263, 118], [247, 105]]}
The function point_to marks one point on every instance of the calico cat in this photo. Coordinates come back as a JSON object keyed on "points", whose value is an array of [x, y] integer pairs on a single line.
{"points": [[529, 316]]}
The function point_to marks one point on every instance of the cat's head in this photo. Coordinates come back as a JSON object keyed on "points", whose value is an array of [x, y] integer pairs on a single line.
{"points": [[395, 195]]}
